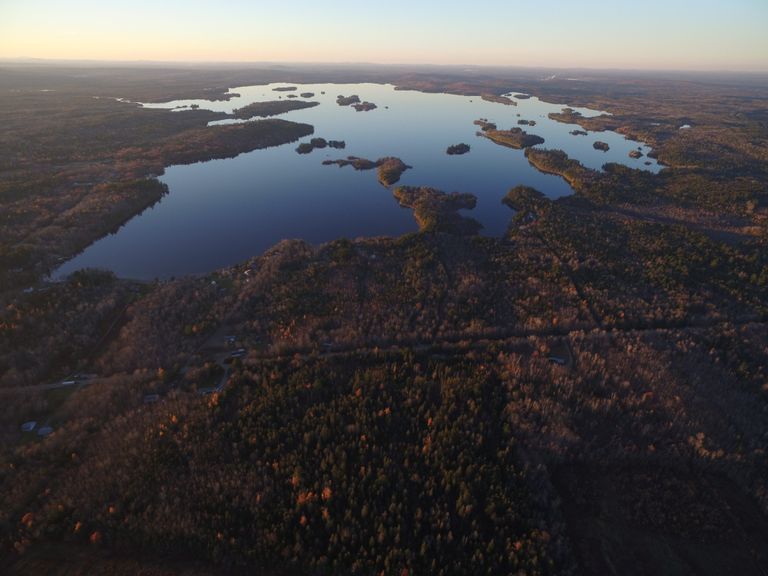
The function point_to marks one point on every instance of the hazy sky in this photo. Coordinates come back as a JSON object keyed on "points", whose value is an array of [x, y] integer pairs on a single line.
{"points": [[690, 34]]}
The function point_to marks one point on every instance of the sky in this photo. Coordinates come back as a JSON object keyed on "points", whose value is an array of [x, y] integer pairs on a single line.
{"points": [[647, 34]]}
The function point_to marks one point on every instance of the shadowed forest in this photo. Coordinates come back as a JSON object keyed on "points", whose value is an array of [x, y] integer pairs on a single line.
{"points": [[586, 394]]}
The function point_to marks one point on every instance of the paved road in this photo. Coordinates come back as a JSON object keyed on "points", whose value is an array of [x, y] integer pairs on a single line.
{"points": [[219, 353]]}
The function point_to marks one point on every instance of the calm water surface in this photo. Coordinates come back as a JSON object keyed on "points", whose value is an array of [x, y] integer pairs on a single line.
{"points": [[222, 212]]}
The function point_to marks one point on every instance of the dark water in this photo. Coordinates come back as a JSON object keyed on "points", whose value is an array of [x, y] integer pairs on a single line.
{"points": [[224, 211]]}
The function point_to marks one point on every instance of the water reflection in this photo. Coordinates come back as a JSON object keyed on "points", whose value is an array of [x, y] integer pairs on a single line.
{"points": [[225, 211]]}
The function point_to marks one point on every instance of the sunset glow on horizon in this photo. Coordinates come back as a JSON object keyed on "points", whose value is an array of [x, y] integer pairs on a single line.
{"points": [[677, 34]]}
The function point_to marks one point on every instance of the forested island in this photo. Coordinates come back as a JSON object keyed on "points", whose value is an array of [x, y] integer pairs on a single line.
{"points": [[319, 144], [389, 169], [347, 100], [355, 102], [457, 149], [512, 138], [364, 106]]}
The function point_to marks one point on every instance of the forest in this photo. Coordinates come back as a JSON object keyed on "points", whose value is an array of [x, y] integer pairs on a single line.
{"points": [[586, 394]]}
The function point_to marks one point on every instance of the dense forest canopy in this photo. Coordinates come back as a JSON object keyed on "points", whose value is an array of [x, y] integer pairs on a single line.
{"points": [[584, 395]]}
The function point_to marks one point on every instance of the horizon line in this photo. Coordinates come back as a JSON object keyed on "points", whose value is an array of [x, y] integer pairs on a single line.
{"points": [[48, 60]]}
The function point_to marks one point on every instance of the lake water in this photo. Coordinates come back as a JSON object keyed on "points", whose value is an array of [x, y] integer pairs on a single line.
{"points": [[222, 212]]}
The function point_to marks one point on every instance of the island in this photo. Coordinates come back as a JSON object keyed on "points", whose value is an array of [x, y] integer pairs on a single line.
{"points": [[484, 124], [522, 96], [356, 162], [498, 99], [364, 106], [436, 211], [307, 147], [307, 94], [513, 138], [389, 169], [457, 149], [635, 154], [599, 145], [577, 132], [285, 89], [527, 122], [347, 100], [273, 108], [319, 143]]}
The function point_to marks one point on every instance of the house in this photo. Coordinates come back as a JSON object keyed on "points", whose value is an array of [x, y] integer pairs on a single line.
{"points": [[151, 398], [44, 431], [28, 426]]}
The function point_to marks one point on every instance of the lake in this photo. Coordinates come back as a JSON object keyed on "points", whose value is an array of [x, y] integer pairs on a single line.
{"points": [[222, 212]]}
